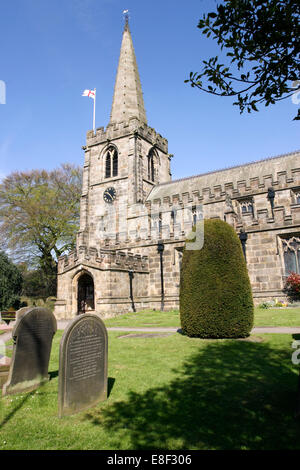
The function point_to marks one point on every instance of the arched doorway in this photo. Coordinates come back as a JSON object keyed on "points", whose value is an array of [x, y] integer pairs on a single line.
{"points": [[85, 293]]}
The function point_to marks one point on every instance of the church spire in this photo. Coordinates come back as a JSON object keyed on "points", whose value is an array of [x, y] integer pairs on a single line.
{"points": [[128, 97]]}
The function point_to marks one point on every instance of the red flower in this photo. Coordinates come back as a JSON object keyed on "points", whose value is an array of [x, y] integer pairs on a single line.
{"points": [[293, 284]]}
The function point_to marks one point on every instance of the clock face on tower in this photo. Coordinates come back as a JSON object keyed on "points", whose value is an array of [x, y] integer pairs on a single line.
{"points": [[109, 195]]}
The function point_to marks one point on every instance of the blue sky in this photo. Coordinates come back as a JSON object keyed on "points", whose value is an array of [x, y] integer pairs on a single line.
{"points": [[52, 50]]}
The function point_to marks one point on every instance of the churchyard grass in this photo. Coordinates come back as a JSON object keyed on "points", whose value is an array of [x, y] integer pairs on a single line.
{"points": [[146, 318], [277, 316], [169, 392], [155, 318]]}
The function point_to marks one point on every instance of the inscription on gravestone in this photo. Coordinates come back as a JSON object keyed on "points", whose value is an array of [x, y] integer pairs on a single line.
{"points": [[82, 365], [32, 335]]}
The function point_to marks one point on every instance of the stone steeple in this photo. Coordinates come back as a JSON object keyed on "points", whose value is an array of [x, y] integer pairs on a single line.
{"points": [[128, 97]]}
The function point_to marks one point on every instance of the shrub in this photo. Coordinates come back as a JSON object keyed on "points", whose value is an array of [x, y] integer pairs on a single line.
{"points": [[10, 284], [215, 291], [292, 286], [281, 303], [264, 305]]}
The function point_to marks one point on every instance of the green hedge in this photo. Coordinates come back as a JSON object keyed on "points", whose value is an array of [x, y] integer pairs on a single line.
{"points": [[215, 291], [10, 283]]}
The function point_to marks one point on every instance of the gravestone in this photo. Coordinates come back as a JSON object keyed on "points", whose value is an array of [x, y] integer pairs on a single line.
{"points": [[82, 365], [32, 336], [21, 311]]}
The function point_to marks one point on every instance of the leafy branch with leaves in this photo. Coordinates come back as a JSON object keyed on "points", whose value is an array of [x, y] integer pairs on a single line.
{"points": [[261, 39]]}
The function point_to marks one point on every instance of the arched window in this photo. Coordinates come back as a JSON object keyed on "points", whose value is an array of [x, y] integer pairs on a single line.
{"points": [[291, 254], [111, 163], [247, 206], [115, 163], [151, 165], [108, 165]]}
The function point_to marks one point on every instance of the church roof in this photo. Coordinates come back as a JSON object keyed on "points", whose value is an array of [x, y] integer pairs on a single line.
{"points": [[128, 99], [228, 176]]}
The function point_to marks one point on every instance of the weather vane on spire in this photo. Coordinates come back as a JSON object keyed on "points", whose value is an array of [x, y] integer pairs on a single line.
{"points": [[126, 16]]}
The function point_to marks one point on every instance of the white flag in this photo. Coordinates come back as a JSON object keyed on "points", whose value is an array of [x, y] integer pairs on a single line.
{"points": [[90, 93]]}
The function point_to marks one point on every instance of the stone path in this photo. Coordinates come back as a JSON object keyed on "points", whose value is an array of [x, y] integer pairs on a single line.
{"points": [[260, 329], [61, 325], [277, 329]]}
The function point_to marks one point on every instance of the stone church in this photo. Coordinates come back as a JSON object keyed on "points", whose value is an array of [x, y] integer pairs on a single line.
{"points": [[134, 219]]}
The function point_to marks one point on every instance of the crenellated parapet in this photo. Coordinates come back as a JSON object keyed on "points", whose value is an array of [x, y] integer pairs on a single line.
{"points": [[104, 259], [118, 130], [236, 195], [280, 172]]}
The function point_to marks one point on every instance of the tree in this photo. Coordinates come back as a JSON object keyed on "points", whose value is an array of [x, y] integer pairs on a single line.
{"points": [[10, 283], [35, 284], [215, 291], [39, 213], [262, 38]]}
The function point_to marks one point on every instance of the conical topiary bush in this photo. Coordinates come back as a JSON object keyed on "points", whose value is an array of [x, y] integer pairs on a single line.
{"points": [[215, 291]]}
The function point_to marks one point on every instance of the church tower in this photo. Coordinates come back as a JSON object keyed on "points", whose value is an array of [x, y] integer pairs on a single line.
{"points": [[124, 161]]}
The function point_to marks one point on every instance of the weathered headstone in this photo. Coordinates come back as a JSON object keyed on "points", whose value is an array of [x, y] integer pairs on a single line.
{"points": [[21, 311], [32, 335], [82, 365]]}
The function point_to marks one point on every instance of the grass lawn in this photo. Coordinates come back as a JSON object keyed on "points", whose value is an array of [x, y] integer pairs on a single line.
{"points": [[277, 317], [170, 392], [146, 318], [155, 318]]}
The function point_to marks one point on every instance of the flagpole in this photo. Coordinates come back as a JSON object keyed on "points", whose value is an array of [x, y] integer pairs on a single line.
{"points": [[94, 114]]}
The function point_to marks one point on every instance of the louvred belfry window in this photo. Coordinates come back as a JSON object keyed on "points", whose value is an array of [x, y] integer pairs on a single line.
{"points": [[151, 166], [115, 163], [111, 163], [107, 165]]}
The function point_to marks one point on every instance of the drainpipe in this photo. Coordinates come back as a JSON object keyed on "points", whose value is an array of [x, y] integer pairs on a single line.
{"points": [[271, 196], [160, 249], [131, 276], [243, 238]]}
